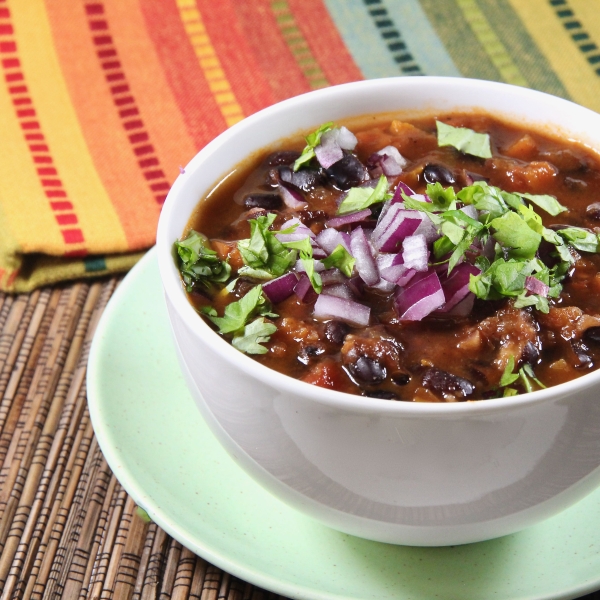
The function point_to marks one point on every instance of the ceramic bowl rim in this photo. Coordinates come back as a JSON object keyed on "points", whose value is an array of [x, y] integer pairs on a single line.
{"points": [[174, 289]]}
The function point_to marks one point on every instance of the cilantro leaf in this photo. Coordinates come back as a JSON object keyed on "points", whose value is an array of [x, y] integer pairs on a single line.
{"points": [[264, 256], [362, 197], [254, 334], [340, 258], [486, 198], [549, 203], [579, 238], [314, 277], [508, 376], [441, 198], [513, 232], [312, 141], [198, 263], [237, 314], [306, 256], [464, 139]]}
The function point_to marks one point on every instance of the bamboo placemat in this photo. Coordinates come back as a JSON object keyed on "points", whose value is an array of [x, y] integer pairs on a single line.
{"points": [[68, 530]]}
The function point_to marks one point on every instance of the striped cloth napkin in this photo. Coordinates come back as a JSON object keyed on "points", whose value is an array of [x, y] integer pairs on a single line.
{"points": [[102, 100]]}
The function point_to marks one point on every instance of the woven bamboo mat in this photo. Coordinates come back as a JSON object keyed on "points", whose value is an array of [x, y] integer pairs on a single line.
{"points": [[68, 529]]}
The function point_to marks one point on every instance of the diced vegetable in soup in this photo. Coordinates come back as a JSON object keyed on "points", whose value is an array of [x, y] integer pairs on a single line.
{"points": [[437, 260]]}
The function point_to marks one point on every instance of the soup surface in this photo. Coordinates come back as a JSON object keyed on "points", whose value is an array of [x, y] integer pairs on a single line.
{"points": [[414, 261]]}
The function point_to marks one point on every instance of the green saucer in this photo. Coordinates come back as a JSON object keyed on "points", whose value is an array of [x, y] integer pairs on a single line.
{"points": [[158, 446]]}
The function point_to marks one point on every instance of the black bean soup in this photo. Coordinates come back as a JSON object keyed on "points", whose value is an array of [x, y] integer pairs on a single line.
{"points": [[442, 259]]}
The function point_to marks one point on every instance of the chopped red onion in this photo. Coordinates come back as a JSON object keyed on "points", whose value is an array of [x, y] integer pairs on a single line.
{"points": [[331, 307], [356, 285], [304, 289], [328, 152], [456, 287], [301, 231], [401, 187], [331, 276], [355, 217], [535, 286], [394, 270], [462, 309], [420, 298], [317, 251], [362, 252], [317, 263], [415, 253], [281, 288], [386, 218], [340, 290], [427, 228], [329, 239], [403, 223], [300, 226], [392, 162], [394, 153], [346, 139], [291, 197], [384, 286]]}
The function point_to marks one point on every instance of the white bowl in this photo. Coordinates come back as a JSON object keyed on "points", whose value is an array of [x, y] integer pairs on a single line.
{"points": [[399, 472]]}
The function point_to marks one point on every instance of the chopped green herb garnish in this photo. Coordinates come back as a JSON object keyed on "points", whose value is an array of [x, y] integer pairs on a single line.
{"points": [[549, 203], [315, 279], [362, 197], [518, 231], [580, 239], [264, 256], [525, 374], [247, 337], [516, 234], [508, 377], [237, 314], [306, 256], [465, 140], [340, 258], [253, 335], [199, 264], [312, 141]]}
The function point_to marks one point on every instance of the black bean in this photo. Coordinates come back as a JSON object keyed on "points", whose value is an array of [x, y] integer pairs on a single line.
{"points": [[401, 378], [243, 286], [283, 157], [581, 352], [367, 370], [530, 354], [347, 173], [592, 335], [447, 383], [433, 173], [593, 211], [381, 394], [304, 179], [308, 352], [336, 331], [266, 201], [308, 217]]}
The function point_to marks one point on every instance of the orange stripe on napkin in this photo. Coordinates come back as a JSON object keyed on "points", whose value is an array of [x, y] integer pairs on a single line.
{"points": [[175, 51]]}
